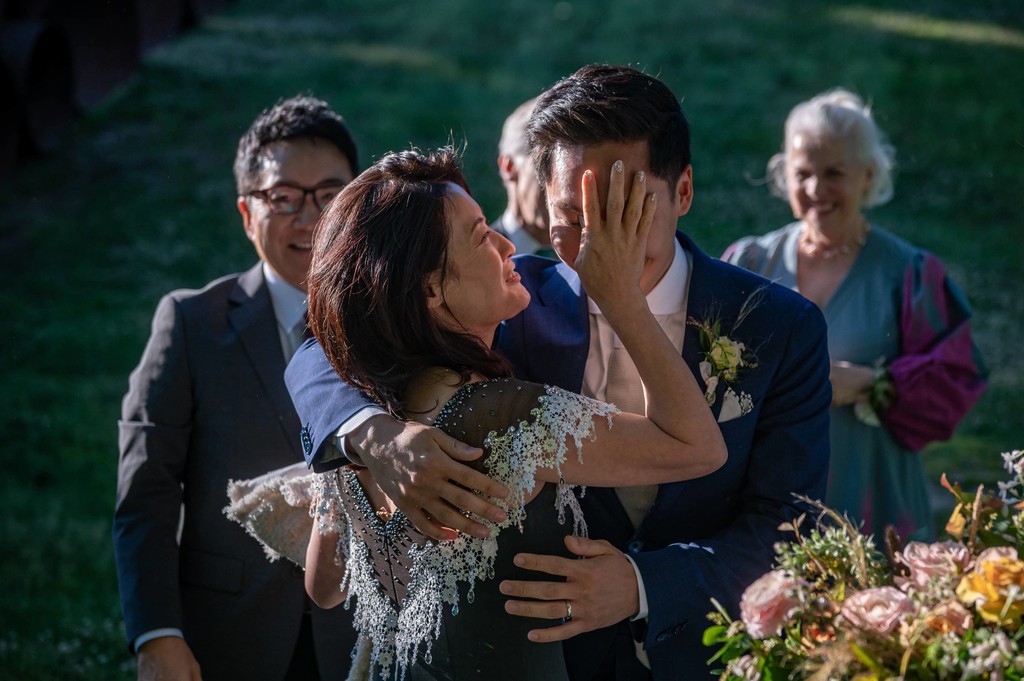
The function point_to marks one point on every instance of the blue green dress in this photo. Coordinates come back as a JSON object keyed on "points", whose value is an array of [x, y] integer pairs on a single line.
{"points": [[896, 307]]}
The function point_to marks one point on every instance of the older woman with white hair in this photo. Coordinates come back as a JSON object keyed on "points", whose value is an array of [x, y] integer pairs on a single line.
{"points": [[905, 370]]}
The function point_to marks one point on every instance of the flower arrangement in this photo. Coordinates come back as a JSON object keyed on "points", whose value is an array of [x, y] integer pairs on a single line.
{"points": [[724, 358], [837, 607]]}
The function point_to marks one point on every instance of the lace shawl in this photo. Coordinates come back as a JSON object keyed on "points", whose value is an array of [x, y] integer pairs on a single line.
{"points": [[401, 633]]}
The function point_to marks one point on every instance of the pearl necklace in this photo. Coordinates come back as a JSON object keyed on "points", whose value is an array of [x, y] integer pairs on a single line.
{"points": [[847, 247]]}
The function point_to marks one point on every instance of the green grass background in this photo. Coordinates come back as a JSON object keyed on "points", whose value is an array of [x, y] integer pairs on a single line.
{"points": [[140, 201]]}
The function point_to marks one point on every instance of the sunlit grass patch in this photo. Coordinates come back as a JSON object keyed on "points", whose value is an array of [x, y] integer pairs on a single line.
{"points": [[920, 25]]}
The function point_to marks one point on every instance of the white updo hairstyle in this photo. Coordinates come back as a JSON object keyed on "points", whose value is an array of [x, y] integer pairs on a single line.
{"points": [[842, 115]]}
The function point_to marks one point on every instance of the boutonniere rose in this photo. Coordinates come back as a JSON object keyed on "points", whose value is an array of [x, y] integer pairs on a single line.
{"points": [[725, 358]]}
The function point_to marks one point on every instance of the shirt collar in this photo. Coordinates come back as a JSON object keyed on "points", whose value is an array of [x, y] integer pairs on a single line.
{"points": [[289, 302], [669, 295]]}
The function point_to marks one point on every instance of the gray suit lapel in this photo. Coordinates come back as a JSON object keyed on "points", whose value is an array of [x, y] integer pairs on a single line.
{"points": [[252, 317]]}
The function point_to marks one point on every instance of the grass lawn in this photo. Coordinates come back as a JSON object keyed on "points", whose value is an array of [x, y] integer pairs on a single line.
{"points": [[141, 201]]}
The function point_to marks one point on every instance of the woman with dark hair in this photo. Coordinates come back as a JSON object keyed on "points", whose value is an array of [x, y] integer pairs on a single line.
{"points": [[407, 288]]}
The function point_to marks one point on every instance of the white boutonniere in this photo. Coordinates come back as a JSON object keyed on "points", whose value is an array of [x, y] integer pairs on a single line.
{"points": [[725, 359]]}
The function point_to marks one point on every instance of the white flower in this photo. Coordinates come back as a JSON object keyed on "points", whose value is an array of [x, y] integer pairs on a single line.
{"points": [[705, 372], [709, 392], [866, 414], [745, 668], [1013, 461]]}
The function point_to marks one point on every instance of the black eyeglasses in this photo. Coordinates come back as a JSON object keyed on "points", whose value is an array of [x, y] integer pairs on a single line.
{"points": [[287, 199]]}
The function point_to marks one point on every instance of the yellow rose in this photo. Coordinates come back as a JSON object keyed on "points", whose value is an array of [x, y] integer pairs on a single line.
{"points": [[995, 587], [727, 356]]}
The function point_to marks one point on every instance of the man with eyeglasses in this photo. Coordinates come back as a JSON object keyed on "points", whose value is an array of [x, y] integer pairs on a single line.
{"points": [[207, 403]]}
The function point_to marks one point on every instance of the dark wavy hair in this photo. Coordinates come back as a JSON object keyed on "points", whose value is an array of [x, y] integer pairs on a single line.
{"points": [[374, 250], [297, 117], [602, 103]]}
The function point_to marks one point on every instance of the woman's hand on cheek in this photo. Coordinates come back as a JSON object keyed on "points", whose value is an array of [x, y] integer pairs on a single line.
{"points": [[614, 245]]}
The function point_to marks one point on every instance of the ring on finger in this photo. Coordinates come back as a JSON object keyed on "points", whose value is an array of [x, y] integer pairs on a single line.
{"points": [[568, 612]]}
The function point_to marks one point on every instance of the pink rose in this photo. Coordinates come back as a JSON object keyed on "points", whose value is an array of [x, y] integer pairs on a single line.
{"points": [[994, 553], [876, 609], [769, 602], [930, 561], [949, 618]]}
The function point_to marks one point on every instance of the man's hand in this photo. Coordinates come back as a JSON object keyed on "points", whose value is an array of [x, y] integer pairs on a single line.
{"points": [[167, 658], [602, 590], [419, 468]]}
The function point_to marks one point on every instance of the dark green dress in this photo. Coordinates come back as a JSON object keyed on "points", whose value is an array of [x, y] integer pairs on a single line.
{"points": [[433, 610]]}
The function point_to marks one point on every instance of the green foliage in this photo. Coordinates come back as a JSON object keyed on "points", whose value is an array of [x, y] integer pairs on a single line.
{"points": [[833, 555], [140, 201]]}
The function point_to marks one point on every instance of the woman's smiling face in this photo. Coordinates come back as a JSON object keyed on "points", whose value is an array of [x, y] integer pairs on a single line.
{"points": [[481, 287], [827, 184]]}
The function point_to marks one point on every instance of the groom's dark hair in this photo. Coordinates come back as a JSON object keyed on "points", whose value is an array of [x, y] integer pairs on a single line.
{"points": [[603, 103]]}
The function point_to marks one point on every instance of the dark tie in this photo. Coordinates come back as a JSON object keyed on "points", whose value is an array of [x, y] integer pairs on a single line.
{"points": [[300, 333]]}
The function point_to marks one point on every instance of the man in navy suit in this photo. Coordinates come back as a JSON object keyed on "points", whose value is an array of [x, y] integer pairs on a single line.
{"points": [[656, 556]]}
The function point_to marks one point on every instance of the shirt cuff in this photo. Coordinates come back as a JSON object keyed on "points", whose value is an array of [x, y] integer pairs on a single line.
{"points": [[641, 592], [156, 633], [358, 419]]}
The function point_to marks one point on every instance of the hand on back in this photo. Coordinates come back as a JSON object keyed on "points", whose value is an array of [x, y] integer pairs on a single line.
{"points": [[419, 468]]}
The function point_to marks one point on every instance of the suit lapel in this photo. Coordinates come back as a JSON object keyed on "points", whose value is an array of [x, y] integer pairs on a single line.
{"points": [[700, 304], [714, 294], [702, 300], [560, 329], [252, 317]]}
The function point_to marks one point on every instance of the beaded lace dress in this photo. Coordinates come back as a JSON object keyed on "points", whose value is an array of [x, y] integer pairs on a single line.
{"points": [[433, 610]]}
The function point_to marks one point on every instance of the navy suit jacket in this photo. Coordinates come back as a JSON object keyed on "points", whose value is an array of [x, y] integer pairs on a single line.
{"points": [[704, 538]]}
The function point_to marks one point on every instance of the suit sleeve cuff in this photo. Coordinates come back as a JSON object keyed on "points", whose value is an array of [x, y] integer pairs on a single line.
{"points": [[340, 445], [641, 593], [142, 639]]}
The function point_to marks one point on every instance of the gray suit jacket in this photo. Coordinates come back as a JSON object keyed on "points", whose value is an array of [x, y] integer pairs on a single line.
{"points": [[206, 404]]}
